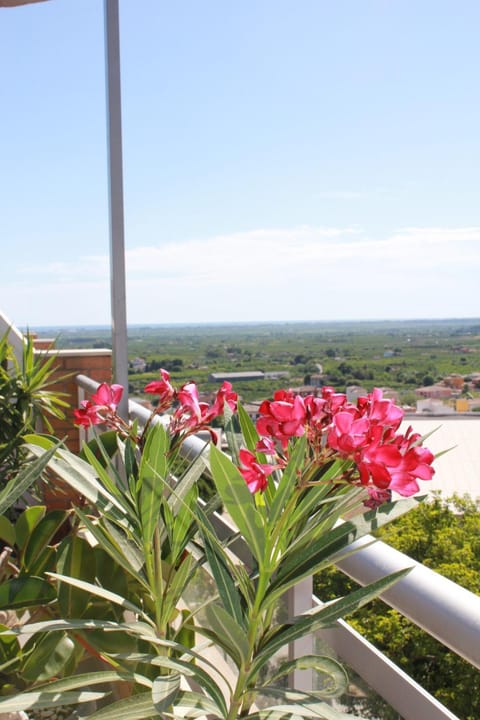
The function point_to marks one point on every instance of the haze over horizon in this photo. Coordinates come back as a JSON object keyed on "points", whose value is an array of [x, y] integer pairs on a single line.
{"points": [[283, 162]]}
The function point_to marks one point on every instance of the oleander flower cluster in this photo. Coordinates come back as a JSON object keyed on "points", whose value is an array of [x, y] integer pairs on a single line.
{"points": [[189, 414], [383, 459], [377, 454]]}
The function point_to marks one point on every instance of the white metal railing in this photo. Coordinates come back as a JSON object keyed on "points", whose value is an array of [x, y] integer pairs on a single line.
{"points": [[15, 337], [439, 606]]}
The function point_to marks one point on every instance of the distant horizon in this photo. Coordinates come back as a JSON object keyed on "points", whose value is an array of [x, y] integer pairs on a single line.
{"points": [[253, 323]]}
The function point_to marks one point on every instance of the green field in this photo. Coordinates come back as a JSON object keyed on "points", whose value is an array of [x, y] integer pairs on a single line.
{"points": [[401, 355]]}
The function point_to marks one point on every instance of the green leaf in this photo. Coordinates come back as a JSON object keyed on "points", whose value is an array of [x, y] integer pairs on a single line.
{"points": [[372, 520], [334, 678], [41, 536], [82, 477], [102, 593], [288, 482], [136, 707], [164, 691], [219, 564], [111, 487], [24, 592], [194, 705], [153, 473], [239, 502], [300, 563], [106, 442], [26, 523], [10, 652], [303, 711], [42, 700], [76, 559], [202, 678], [26, 477], [249, 432], [226, 633], [178, 580], [118, 546], [46, 657], [7, 531], [93, 678]]}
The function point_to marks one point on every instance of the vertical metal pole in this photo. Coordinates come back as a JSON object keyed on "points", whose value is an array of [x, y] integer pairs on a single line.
{"points": [[115, 179]]}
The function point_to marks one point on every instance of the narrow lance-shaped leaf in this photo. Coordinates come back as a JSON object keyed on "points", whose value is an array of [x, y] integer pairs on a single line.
{"points": [[153, 470], [226, 633], [47, 657], [287, 483], [239, 503], [164, 691], [102, 593], [17, 485], [76, 558], [203, 678], [333, 677], [219, 565], [118, 546], [41, 537], [34, 700], [249, 432]]}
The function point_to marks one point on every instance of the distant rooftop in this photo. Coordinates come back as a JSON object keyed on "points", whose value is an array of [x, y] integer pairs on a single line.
{"points": [[456, 471]]}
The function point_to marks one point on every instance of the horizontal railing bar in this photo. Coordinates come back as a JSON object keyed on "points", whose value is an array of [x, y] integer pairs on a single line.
{"points": [[448, 612]]}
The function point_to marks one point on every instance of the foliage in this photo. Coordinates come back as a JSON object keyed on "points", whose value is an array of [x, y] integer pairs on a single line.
{"points": [[287, 487], [444, 535], [25, 398], [27, 551]]}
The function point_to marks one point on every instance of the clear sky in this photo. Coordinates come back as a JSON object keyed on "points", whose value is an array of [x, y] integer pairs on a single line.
{"points": [[283, 160]]}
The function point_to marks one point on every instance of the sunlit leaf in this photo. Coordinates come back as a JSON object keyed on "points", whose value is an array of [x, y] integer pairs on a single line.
{"points": [[329, 672], [164, 691], [239, 502]]}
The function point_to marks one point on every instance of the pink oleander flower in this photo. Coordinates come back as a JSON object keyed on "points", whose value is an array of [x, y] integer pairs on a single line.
{"points": [[283, 417], [108, 396], [255, 474], [266, 446], [190, 411], [380, 410], [224, 396], [87, 414], [386, 460], [377, 497], [348, 432], [192, 415], [163, 388], [396, 465]]}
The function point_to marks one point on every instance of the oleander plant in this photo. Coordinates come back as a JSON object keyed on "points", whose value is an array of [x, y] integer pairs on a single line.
{"points": [[296, 487]]}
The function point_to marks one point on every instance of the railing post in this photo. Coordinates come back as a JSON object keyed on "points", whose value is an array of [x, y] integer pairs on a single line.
{"points": [[299, 600]]}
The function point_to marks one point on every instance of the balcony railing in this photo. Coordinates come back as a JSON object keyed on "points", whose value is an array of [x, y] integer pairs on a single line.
{"points": [[443, 609]]}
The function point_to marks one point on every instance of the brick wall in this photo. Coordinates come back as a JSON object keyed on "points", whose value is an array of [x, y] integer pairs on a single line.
{"points": [[97, 364]]}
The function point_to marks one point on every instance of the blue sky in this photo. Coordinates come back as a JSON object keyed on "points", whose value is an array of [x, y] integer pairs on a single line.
{"points": [[283, 160]]}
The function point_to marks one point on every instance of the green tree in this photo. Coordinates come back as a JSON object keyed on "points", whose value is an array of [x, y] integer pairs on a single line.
{"points": [[443, 534]]}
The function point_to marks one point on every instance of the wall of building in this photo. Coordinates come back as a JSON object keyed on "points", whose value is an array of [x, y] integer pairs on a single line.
{"points": [[97, 364]]}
